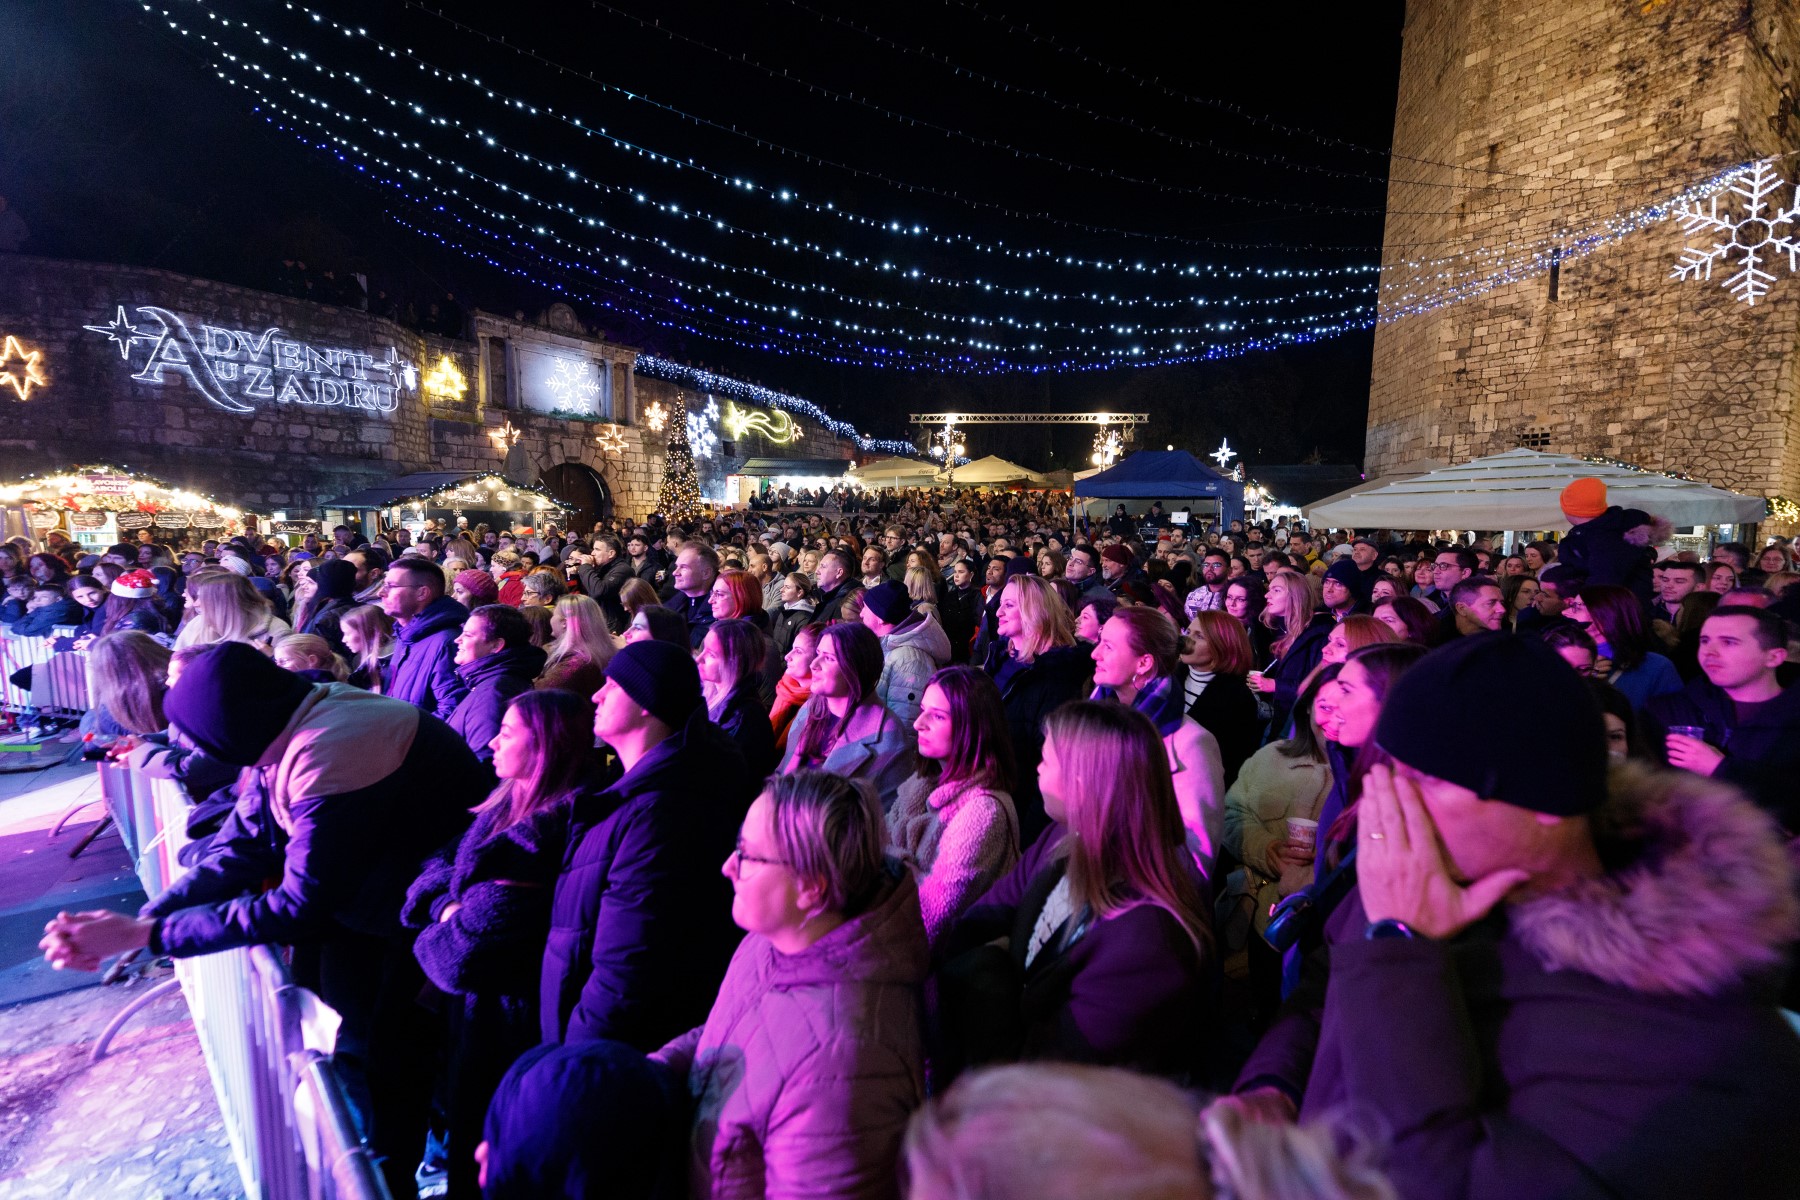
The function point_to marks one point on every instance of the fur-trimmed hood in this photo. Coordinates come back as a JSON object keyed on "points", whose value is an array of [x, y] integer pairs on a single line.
{"points": [[1653, 531], [1698, 898]]}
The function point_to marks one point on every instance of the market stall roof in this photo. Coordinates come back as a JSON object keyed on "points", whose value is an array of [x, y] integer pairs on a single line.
{"points": [[1159, 475], [435, 485], [896, 471], [99, 480], [1520, 489], [770, 467], [991, 470]]}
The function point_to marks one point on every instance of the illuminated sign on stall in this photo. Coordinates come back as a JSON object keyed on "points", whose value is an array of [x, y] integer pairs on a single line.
{"points": [[20, 369], [233, 367]]}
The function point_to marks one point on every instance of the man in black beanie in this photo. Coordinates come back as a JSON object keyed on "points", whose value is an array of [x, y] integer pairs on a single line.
{"points": [[1543, 985], [640, 921], [342, 796]]}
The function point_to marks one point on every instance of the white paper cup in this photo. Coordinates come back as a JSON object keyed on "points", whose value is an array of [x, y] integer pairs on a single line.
{"points": [[1303, 834]]}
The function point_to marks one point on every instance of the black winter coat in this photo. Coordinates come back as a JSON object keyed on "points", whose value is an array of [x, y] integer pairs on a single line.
{"points": [[1615, 548], [1292, 668], [502, 878], [1227, 710], [640, 923], [344, 862], [1054, 678], [744, 718], [960, 615], [1762, 755], [492, 682], [603, 584]]}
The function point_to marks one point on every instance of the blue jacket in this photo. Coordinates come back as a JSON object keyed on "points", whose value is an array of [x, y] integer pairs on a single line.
{"points": [[368, 793], [492, 682], [423, 668], [40, 622], [640, 922]]}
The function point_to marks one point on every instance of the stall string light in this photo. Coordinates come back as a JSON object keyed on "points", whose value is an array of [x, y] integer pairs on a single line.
{"points": [[494, 484], [784, 195], [67, 479]]}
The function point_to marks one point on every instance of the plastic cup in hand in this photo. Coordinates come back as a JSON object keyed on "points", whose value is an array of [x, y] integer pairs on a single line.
{"points": [[1303, 835], [1697, 732]]}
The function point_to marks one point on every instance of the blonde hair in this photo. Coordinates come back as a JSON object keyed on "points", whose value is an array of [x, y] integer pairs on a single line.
{"points": [[584, 633], [128, 675], [1044, 619], [1061, 1131], [230, 610], [376, 629], [1295, 615], [920, 586], [315, 651]]}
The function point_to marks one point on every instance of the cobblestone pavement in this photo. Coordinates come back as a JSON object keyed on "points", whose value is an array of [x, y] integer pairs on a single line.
{"points": [[142, 1124]]}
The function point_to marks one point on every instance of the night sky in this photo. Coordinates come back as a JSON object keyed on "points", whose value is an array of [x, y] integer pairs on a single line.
{"points": [[1222, 146]]}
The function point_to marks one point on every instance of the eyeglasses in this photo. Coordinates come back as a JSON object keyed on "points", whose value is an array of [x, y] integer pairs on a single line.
{"points": [[741, 858]]}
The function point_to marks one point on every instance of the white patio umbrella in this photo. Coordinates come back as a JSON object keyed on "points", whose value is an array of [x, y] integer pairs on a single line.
{"points": [[894, 472], [1519, 489]]}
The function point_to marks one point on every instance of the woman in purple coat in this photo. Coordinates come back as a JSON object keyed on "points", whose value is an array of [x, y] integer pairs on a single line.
{"points": [[1104, 950]]}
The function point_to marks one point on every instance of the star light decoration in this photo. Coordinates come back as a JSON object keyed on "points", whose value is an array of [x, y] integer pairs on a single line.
{"points": [[1223, 454], [121, 331], [444, 381], [27, 374], [1756, 238], [611, 439]]}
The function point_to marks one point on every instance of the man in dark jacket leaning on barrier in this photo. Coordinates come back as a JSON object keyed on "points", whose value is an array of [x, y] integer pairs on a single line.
{"points": [[640, 923], [343, 796], [1609, 1030]]}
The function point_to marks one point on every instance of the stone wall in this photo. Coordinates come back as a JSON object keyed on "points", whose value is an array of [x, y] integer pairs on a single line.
{"points": [[223, 420], [1552, 114]]}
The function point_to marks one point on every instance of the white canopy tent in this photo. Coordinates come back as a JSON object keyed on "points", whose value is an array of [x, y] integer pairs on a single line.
{"points": [[1412, 470], [1519, 490], [993, 471], [894, 472]]}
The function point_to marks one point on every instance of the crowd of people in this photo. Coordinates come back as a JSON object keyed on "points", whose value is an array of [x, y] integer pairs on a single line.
{"points": [[951, 847]]}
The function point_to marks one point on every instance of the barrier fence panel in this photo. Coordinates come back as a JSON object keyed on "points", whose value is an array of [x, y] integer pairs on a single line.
{"points": [[266, 1039], [59, 685]]}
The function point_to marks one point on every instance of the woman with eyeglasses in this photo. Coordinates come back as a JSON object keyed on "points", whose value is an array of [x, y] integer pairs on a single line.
{"points": [[806, 1071]]}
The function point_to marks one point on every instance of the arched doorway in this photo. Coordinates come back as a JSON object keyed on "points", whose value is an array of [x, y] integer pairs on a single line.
{"points": [[583, 490]]}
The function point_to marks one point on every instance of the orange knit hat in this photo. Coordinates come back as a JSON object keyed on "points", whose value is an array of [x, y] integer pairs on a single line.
{"points": [[1586, 497]]}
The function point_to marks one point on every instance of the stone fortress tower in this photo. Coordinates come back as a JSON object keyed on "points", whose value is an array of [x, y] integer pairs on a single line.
{"points": [[1522, 123]]}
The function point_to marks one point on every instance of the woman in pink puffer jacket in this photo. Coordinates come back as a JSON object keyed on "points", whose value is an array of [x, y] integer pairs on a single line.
{"points": [[810, 1064]]}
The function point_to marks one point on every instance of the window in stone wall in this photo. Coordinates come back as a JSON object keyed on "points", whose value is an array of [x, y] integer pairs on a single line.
{"points": [[564, 383]]}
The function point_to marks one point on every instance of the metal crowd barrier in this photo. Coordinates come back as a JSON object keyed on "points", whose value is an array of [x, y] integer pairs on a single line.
{"points": [[59, 684], [267, 1040]]}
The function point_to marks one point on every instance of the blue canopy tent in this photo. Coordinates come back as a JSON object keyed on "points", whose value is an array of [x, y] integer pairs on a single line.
{"points": [[1175, 477]]}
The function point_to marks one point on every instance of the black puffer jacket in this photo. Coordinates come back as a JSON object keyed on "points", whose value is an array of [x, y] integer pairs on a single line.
{"points": [[492, 682]]}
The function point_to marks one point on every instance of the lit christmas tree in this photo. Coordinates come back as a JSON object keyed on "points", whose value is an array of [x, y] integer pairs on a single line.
{"points": [[680, 498]]}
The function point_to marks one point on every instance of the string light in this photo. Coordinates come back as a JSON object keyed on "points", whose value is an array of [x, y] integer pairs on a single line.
{"points": [[969, 354], [679, 497]]}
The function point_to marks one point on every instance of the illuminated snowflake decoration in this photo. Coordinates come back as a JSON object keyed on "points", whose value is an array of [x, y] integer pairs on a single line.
{"points": [[1758, 237], [711, 411], [701, 436], [611, 439], [574, 383], [656, 416]]}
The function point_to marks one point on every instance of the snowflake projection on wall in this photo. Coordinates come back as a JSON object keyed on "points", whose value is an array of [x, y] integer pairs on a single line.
{"points": [[574, 383], [701, 438], [1762, 233]]}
